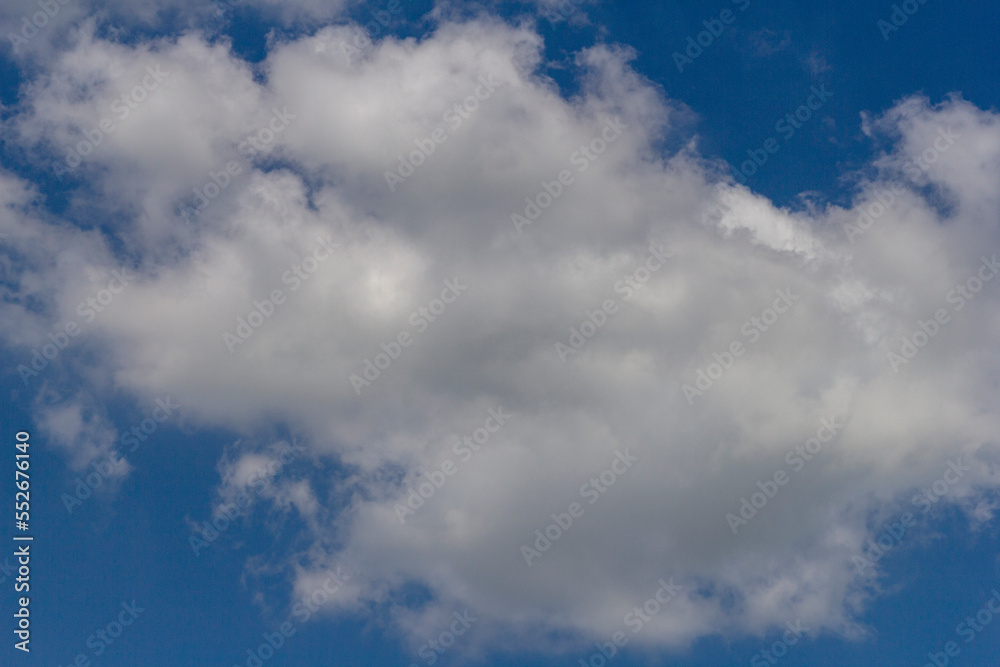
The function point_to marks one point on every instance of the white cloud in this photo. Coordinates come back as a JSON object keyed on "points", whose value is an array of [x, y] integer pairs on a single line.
{"points": [[76, 425], [496, 344]]}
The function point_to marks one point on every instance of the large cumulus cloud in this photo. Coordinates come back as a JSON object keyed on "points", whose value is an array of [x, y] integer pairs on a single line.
{"points": [[311, 214]]}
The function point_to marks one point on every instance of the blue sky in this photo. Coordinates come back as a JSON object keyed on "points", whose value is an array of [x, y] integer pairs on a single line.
{"points": [[359, 439]]}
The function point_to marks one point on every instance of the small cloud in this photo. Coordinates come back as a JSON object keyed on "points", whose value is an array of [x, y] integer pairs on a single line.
{"points": [[817, 64], [767, 42]]}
